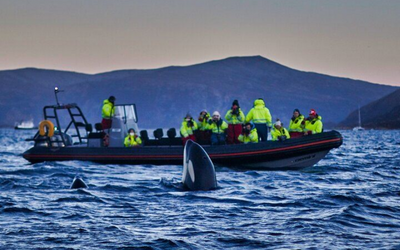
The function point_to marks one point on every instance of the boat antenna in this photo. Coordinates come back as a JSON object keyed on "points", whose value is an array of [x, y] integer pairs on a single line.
{"points": [[56, 91]]}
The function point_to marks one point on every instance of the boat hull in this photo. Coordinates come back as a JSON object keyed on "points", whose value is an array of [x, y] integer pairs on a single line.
{"points": [[294, 153]]}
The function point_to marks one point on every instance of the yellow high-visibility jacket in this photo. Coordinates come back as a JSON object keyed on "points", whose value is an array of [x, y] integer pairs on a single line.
{"points": [[235, 119], [218, 128], [132, 141], [187, 130], [259, 114], [275, 133], [315, 125], [252, 137], [295, 125], [107, 112], [203, 125]]}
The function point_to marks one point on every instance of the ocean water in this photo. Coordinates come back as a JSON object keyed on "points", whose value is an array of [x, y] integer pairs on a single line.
{"points": [[349, 200]]}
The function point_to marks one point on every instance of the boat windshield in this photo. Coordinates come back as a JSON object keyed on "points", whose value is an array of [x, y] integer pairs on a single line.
{"points": [[125, 117], [126, 112]]}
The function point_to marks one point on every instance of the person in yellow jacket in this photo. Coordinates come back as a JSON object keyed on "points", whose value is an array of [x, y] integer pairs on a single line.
{"points": [[203, 134], [107, 112], [313, 124], [187, 129], [132, 140], [261, 117], [218, 128], [296, 125], [278, 132], [235, 118], [249, 134]]}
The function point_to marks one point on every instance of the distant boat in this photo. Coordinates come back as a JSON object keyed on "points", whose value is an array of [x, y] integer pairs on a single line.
{"points": [[25, 125], [359, 128]]}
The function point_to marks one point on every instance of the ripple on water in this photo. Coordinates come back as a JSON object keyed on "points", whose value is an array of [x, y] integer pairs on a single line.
{"points": [[349, 200]]}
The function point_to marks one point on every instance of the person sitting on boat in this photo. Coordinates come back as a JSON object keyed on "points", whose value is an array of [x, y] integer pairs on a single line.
{"points": [[278, 132], [261, 117], [296, 124], [187, 129], [218, 128], [132, 140], [235, 118], [203, 134], [313, 124], [249, 134], [107, 112]]}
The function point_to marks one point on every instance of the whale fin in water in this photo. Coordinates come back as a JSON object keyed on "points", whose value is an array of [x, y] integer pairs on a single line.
{"points": [[78, 183], [198, 169]]}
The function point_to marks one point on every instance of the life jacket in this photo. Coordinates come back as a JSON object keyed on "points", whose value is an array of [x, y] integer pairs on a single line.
{"points": [[275, 133], [187, 130], [218, 127], [315, 125], [252, 137], [131, 141], [108, 109], [295, 125], [259, 114], [203, 125], [233, 118]]}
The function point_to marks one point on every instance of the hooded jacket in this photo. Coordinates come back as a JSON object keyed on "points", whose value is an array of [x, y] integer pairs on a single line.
{"points": [[315, 125], [108, 109], [259, 114], [275, 133], [187, 130], [295, 125], [235, 119], [251, 137]]}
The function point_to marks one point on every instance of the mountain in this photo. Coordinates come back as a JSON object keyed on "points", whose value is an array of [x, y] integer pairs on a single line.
{"points": [[25, 91], [382, 114], [163, 96]]}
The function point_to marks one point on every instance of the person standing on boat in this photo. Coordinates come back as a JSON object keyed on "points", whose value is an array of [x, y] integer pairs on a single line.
{"points": [[235, 118], [132, 140], [249, 134], [218, 128], [313, 124], [278, 132], [203, 133], [296, 124], [107, 112], [187, 129], [261, 117]]}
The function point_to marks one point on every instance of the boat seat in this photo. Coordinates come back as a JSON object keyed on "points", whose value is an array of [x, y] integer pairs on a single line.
{"points": [[158, 133], [160, 140], [171, 133], [96, 135], [98, 127], [89, 127]]}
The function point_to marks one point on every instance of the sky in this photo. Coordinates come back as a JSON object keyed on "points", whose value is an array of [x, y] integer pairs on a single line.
{"points": [[358, 39]]}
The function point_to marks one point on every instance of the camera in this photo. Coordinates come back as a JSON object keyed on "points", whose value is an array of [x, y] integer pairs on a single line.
{"points": [[235, 111]]}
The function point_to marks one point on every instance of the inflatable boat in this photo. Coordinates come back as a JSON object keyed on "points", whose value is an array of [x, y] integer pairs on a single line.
{"points": [[79, 141]]}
